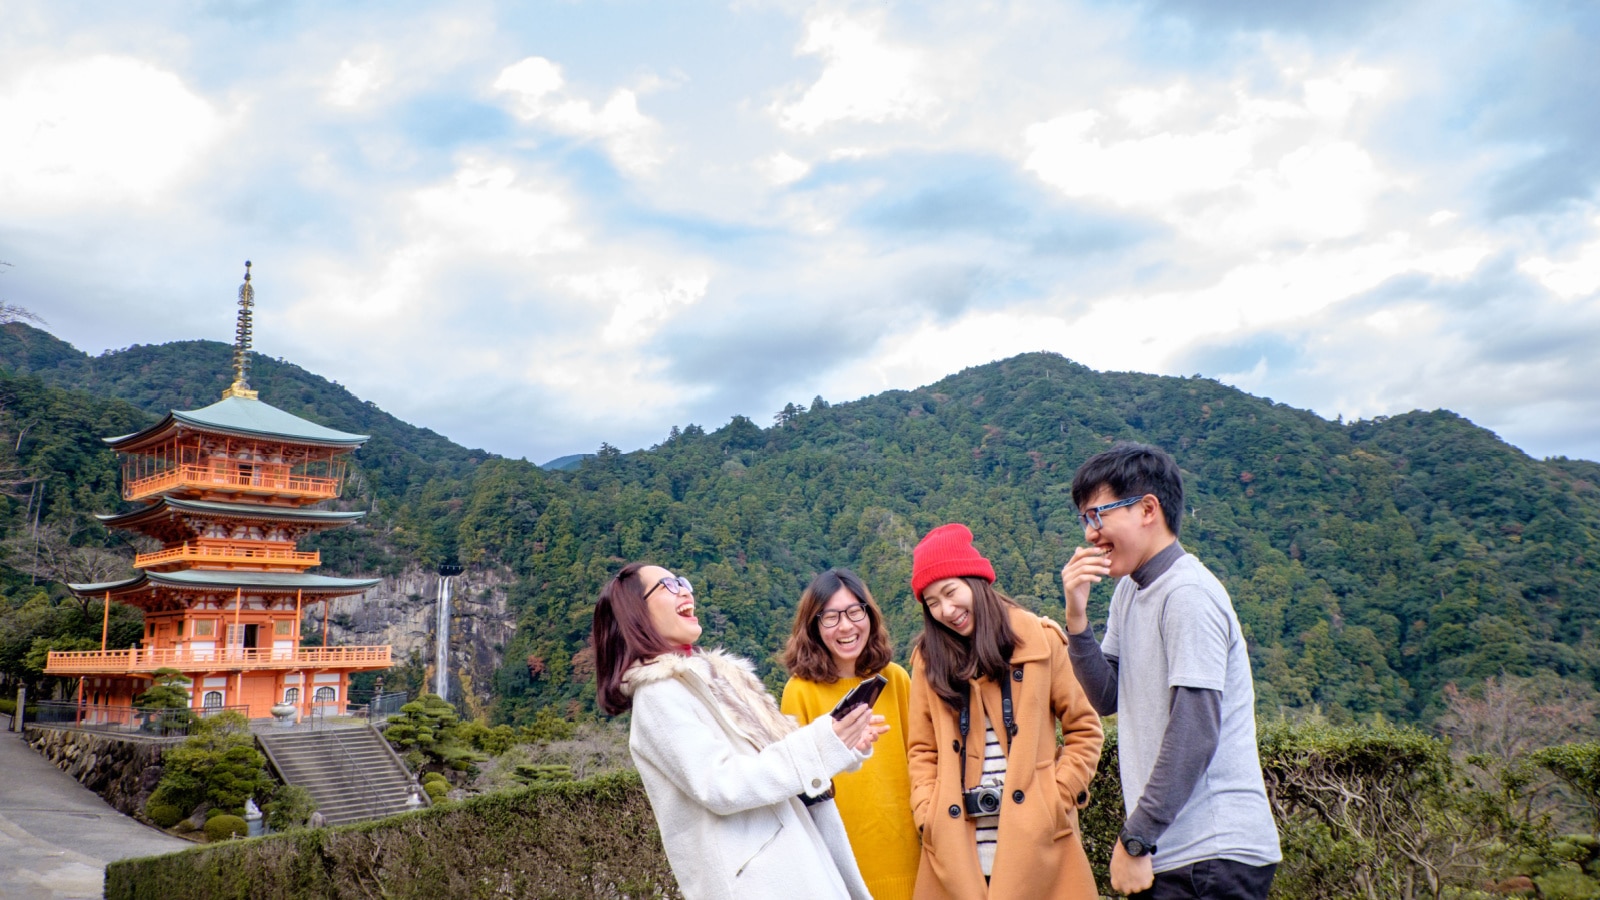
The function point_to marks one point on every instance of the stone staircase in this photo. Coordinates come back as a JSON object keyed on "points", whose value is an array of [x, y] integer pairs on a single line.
{"points": [[351, 772]]}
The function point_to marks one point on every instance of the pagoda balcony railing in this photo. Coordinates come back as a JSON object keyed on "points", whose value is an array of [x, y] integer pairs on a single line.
{"points": [[187, 659], [230, 553], [232, 477]]}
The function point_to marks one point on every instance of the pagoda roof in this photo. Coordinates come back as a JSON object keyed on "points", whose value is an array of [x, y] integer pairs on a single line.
{"points": [[210, 580], [165, 506], [242, 417]]}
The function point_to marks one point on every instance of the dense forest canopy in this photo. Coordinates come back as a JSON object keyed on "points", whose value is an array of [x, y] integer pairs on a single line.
{"points": [[1371, 562]]}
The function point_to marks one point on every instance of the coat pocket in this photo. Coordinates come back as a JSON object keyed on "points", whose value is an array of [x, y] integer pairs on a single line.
{"points": [[1063, 817], [755, 831]]}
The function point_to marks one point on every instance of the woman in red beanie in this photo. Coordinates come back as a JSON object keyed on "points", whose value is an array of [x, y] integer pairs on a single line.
{"points": [[994, 797]]}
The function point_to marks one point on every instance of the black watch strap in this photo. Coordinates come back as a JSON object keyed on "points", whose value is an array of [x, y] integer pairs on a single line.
{"points": [[1136, 846]]}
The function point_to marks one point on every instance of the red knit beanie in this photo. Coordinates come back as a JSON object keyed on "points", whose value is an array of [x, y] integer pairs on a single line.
{"points": [[947, 552]]}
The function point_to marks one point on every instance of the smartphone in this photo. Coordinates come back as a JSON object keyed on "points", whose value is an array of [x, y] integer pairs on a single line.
{"points": [[866, 692]]}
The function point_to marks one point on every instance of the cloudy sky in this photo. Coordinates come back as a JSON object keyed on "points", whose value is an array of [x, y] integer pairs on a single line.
{"points": [[534, 227]]}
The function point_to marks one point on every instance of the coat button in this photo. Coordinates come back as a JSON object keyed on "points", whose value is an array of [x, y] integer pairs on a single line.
{"points": [[955, 811], [1016, 674], [956, 746], [1017, 796], [816, 782], [1083, 797]]}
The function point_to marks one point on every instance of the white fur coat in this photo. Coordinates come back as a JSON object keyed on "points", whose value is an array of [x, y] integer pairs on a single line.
{"points": [[724, 768]]}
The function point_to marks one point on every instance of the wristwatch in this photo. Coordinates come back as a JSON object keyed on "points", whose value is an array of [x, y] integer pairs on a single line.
{"points": [[1136, 846]]}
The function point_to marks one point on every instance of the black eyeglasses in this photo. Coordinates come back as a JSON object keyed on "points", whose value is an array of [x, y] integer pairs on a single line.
{"points": [[1090, 518], [830, 618], [674, 585]]}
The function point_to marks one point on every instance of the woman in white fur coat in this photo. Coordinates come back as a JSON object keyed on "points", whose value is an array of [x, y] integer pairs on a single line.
{"points": [[739, 791]]}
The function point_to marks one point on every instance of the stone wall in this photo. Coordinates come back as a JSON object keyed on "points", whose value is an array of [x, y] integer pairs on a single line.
{"points": [[121, 770]]}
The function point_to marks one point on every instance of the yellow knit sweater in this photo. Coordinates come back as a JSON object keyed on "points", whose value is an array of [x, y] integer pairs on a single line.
{"points": [[875, 802]]}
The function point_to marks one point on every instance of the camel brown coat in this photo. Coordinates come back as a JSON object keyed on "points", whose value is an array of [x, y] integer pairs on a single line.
{"points": [[1038, 853]]}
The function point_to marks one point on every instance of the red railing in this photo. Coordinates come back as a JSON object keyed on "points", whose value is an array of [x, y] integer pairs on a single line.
{"points": [[187, 659], [258, 479], [230, 553]]}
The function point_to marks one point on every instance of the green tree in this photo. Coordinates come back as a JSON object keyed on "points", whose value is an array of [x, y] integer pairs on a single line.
{"points": [[218, 765]]}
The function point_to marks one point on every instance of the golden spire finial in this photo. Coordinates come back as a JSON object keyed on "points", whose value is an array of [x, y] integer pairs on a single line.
{"points": [[241, 342]]}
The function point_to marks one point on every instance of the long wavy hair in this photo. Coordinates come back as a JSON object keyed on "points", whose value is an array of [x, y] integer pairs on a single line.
{"points": [[807, 657], [952, 661], [623, 635]]}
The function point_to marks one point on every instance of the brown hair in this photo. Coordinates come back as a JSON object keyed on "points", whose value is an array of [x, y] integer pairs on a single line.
{"points": [[952, 660], [807, 657], [623, 635]]}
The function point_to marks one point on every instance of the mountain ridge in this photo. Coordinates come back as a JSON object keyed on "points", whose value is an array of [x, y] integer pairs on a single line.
{"points": [[1371, 562]]}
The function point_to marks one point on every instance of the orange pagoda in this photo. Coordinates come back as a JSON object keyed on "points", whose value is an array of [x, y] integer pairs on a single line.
{"points": [[228, 490]]}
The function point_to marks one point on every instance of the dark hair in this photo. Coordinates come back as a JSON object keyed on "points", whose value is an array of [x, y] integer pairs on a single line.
{"points": [[952, 660], [807, 657], [1133, 470], [623, 635]]}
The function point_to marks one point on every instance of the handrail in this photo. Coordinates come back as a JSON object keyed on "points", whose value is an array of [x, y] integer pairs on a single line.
{"points": [[73, 662], [261, 476], [350, 766], [241, 551]]}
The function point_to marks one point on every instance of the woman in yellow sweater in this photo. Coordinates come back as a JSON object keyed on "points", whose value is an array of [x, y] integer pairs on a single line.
{"points": [[839, 640]]}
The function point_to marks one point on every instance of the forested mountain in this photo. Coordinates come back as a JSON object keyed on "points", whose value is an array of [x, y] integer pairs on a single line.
{"points": [[1371, 562]]}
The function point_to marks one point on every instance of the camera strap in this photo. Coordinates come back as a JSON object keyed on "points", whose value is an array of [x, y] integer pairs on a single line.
{"points": [[1006, 715]]}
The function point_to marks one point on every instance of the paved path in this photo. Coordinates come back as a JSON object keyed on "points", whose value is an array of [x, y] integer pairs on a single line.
{"points": [[56, 835]]}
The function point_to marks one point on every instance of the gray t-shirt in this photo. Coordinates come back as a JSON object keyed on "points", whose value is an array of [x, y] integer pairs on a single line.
{"points": [[1181, 631]]}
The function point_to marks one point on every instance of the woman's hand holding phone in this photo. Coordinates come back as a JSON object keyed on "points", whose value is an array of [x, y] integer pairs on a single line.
{"points": [[857, 729]]}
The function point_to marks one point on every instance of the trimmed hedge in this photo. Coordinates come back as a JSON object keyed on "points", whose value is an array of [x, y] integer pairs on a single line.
{"points": [[1370, 811], [594, 838]]}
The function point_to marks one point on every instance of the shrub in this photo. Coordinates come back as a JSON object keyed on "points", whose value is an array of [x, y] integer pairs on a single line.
{"points": [[220, 828], [1578, 766], [164, 815], [437, 790], [434, 776], [592, 839], [429, 731], [291, 807], [1375, 811], [9, 707], [1100, 822], [528, 774], [219, 765]]}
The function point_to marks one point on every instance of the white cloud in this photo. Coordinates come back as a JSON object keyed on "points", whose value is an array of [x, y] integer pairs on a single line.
{"points": [[353, 82], [629, 136], [1259, 169], [780, 168], [639, 301], [1073, 154], [864, 78], [99, 130], [1576, 276], [486, 208]]}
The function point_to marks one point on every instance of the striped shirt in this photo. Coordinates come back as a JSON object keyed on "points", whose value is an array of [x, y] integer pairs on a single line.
{"points": [[994, 773]]}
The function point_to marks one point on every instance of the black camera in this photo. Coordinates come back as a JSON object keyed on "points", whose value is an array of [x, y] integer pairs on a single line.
{"points": [[983, 800]]}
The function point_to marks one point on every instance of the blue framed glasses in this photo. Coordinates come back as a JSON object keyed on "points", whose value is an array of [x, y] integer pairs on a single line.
{"points": [[1090, 518], [674, 584]]}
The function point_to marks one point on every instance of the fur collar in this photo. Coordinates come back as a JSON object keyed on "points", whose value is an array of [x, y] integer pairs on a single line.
{"points": [[729, 685]]}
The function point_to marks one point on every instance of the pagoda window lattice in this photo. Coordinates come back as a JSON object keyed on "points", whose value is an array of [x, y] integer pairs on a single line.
{"points": [[213, 700]]}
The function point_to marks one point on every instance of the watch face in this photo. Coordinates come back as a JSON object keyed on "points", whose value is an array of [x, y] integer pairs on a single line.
{"points": [[1135, 847]]}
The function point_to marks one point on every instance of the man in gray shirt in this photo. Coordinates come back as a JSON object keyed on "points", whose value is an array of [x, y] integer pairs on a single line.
{"points": [[1174, 665]]}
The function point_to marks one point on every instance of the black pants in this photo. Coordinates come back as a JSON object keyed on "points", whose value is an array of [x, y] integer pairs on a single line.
{"points": [[1211, 879]]}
